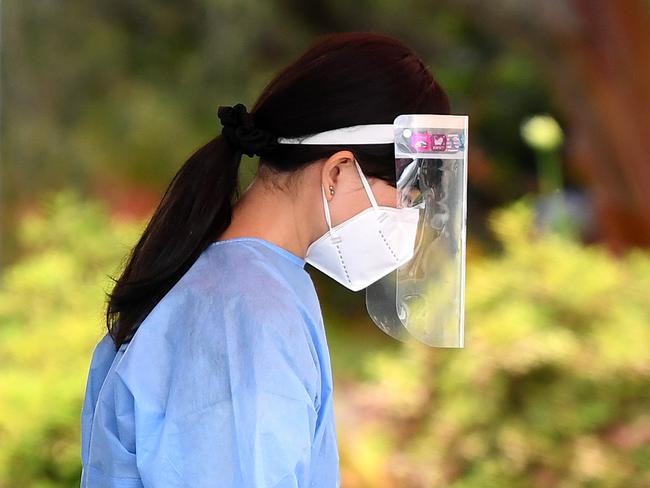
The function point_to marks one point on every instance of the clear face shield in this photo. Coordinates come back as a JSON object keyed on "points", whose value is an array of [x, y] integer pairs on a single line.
{"points": [[423, 298]]}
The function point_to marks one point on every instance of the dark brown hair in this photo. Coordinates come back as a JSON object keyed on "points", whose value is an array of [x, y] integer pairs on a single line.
{"points": [[343, 79]]}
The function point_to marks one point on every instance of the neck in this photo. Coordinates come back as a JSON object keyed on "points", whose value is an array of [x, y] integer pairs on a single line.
{"points": [[272, 215]]}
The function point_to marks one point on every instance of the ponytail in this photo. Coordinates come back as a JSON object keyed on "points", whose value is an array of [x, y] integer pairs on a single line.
{"points": [[195, 209]]}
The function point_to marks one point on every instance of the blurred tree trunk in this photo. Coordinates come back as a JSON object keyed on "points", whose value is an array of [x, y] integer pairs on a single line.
{"points": [[596, 54], [605, 66]]}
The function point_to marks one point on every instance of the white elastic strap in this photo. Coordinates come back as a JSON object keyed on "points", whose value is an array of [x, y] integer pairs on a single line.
{"points": [[371, 197], [326, 207], [355, 134]]}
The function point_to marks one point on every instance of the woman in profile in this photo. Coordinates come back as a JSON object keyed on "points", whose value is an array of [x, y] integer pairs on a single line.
{"points": [[215, 369]]}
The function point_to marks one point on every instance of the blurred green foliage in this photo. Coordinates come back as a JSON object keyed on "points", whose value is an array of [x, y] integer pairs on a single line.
{"points": [[552, 388], [50, 319]]}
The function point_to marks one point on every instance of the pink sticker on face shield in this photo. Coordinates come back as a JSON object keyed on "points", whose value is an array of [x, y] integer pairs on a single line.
{"points": [[438, 142], [425, 142], [421, 142]]}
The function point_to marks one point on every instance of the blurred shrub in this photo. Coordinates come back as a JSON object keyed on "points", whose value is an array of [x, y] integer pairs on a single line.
{"points": [[551, 390], [51, 306]]}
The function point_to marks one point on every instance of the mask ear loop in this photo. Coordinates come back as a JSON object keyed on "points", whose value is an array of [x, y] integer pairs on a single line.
{"points": [[328, 218], [366, 186]]}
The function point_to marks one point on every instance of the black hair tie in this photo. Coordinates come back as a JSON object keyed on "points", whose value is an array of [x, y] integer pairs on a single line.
{"points": [[240, 131]]}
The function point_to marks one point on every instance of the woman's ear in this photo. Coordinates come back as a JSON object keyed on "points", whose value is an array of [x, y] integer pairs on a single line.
{"points": [[332, 170]]}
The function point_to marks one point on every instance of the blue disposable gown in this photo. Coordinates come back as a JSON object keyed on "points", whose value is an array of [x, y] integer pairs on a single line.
{"points": [[226, 383]]}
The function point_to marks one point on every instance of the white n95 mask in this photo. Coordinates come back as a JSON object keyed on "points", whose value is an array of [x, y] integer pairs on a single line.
{"points": [[367, 246]]}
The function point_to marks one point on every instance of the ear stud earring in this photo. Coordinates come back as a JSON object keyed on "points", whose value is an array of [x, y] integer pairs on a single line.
{"points": [[331, 190]]}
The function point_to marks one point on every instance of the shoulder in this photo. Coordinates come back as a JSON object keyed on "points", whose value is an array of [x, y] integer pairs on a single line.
{"points": [[248, 285], [100, 363], [245, 265]]}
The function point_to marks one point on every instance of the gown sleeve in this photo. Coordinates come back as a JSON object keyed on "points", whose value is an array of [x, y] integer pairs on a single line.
{"points": [[241, 409]]}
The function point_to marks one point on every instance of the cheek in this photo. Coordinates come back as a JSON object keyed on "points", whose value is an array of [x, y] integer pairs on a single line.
{"points": [[346, 207]]}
